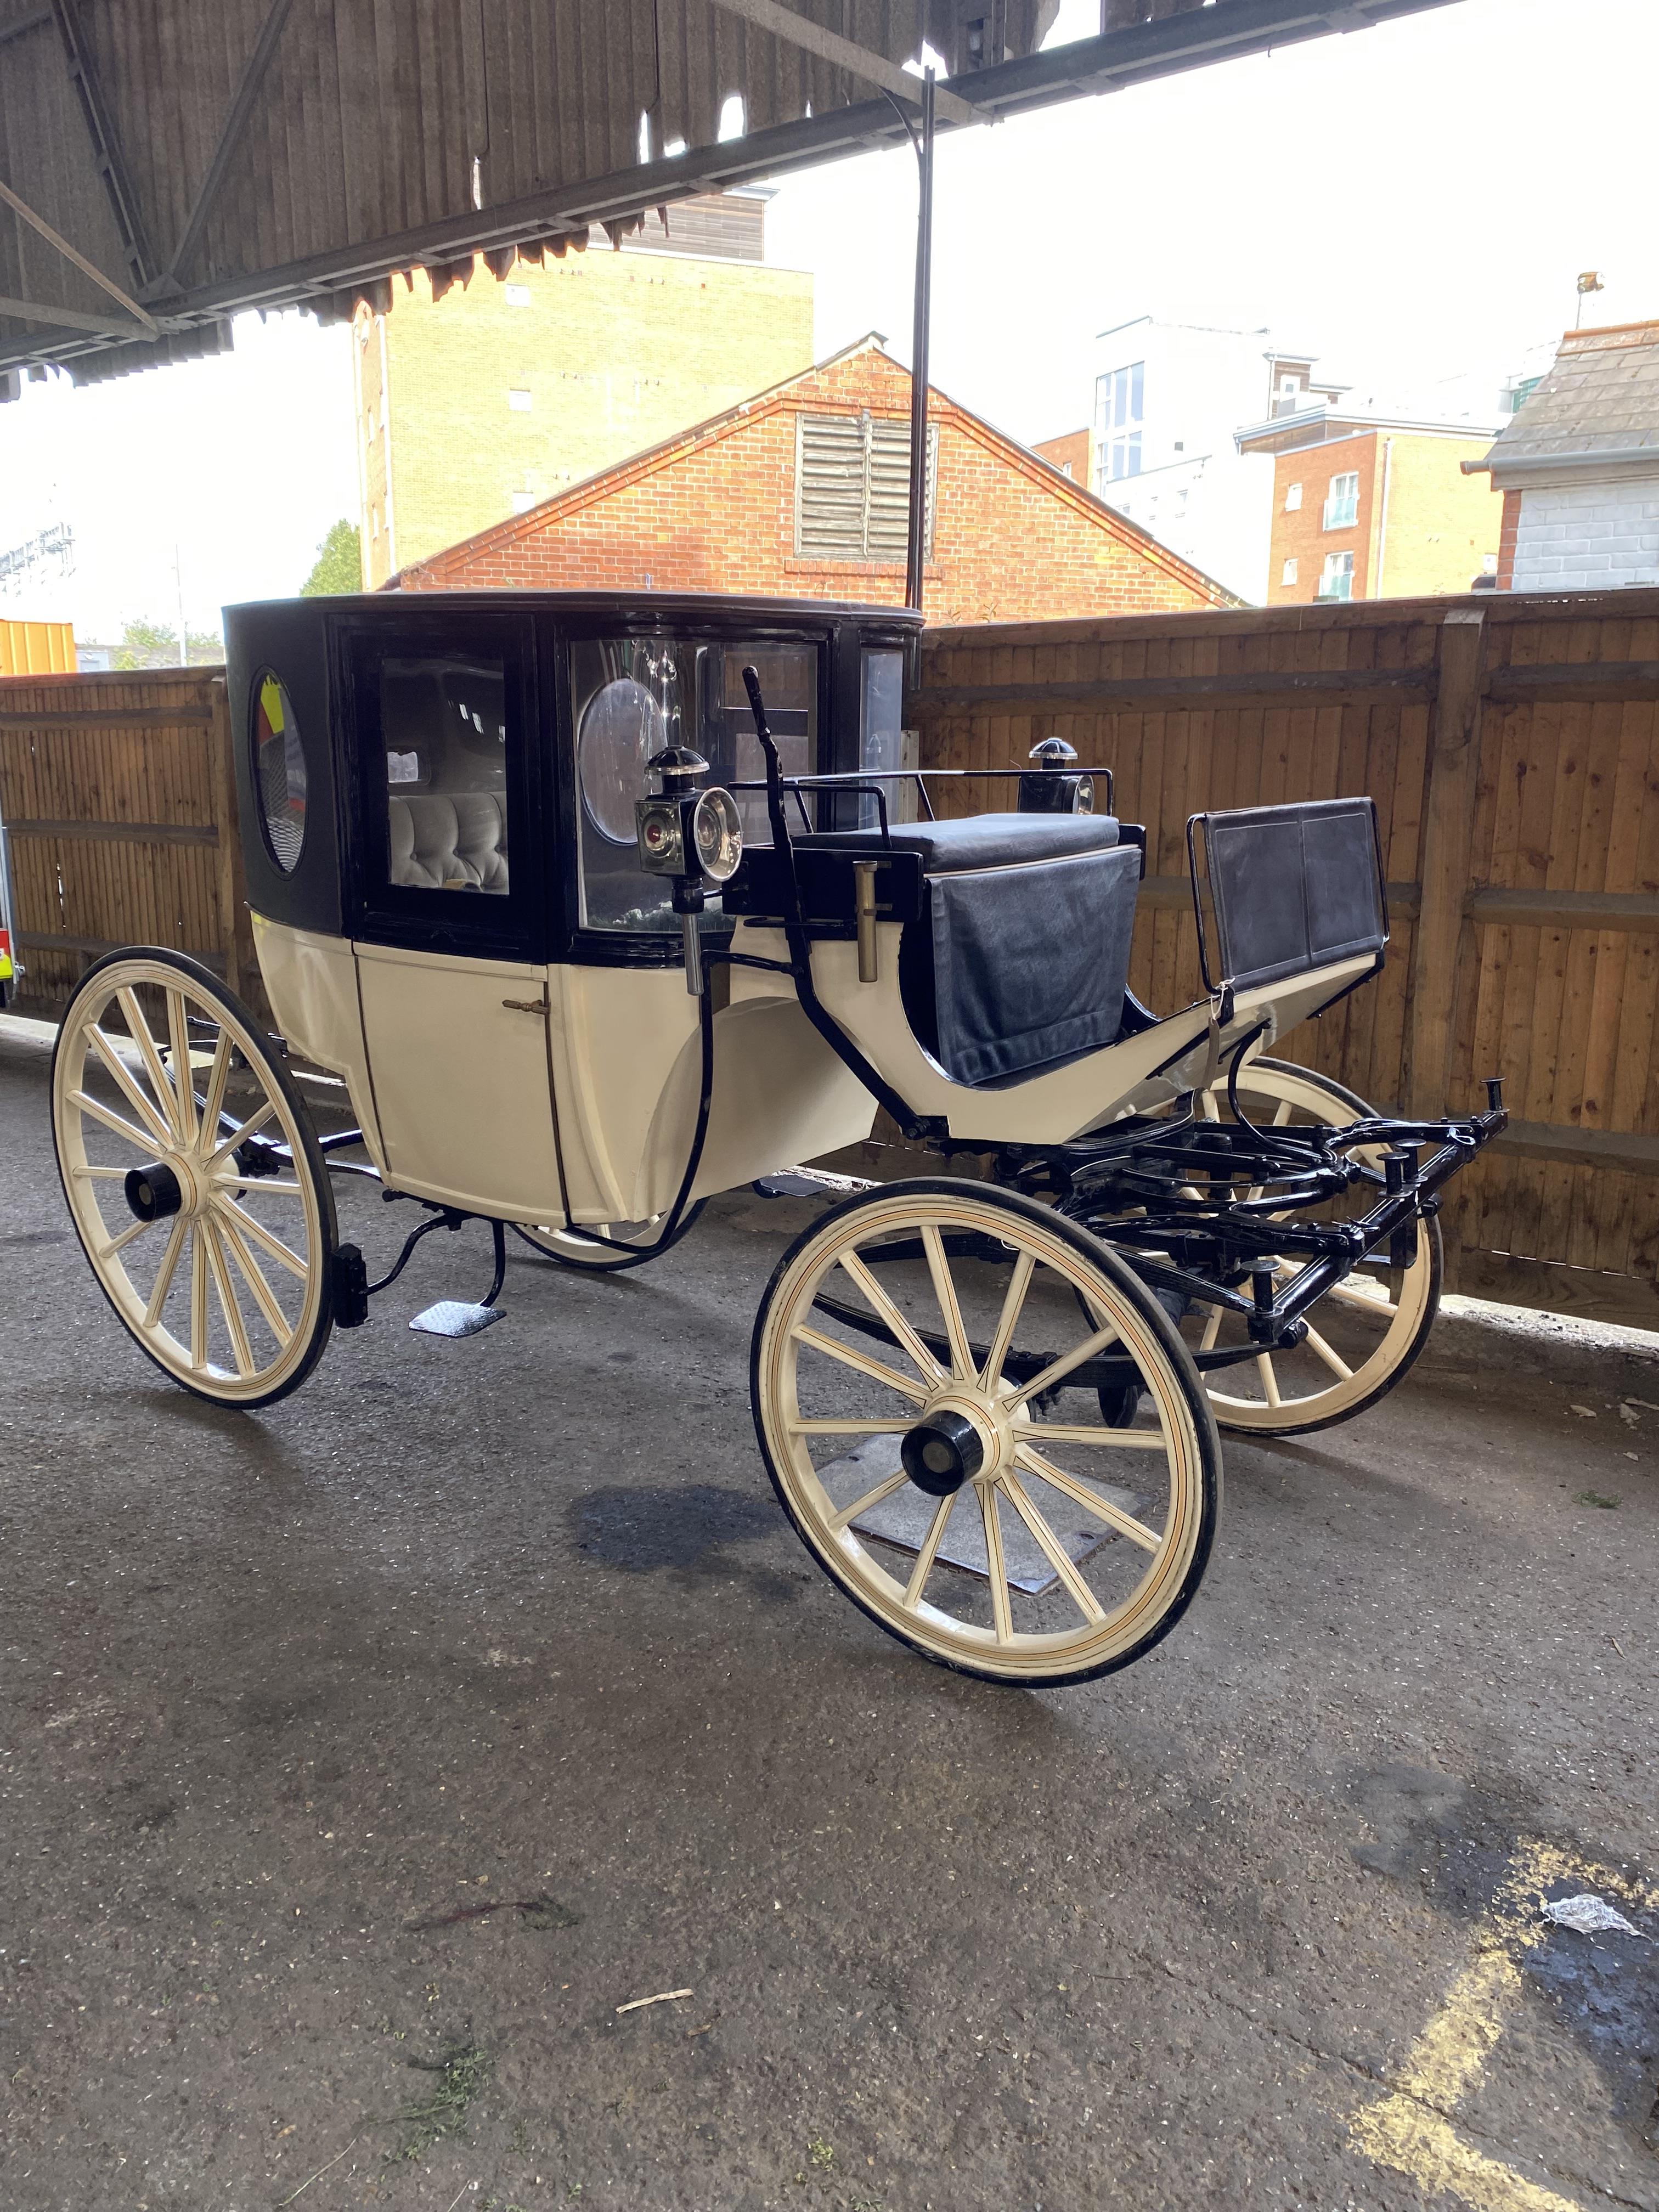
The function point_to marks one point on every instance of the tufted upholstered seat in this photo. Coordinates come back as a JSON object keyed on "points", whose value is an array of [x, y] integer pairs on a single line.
{"points": [[449, 840]]}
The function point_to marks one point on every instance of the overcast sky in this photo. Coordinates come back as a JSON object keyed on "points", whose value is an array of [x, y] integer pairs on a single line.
{"points": [[1412, 202]]}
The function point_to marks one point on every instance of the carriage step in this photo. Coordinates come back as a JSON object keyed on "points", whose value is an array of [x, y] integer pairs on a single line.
{"points": [[452, 1317], [904, 1519]]}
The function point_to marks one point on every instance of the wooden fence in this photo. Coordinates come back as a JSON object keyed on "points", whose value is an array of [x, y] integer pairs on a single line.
{"points": [[1512, 743], [120, 807]]}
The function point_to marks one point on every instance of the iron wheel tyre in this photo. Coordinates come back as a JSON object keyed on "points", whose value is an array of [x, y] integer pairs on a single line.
{"points": [[993, 1279], [1375, 1332], [169, 1217]]}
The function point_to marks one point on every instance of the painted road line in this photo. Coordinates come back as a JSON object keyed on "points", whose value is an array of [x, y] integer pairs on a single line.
{"points": [[1410, 2130]]}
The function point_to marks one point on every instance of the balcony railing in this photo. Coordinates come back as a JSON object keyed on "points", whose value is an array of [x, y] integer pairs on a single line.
{"points": [[1343, 512]]}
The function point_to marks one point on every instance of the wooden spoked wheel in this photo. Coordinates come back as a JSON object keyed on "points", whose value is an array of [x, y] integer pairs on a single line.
{"points": [[601, 1247], [167, 1106], [1362, 1336], [914, 1381]]}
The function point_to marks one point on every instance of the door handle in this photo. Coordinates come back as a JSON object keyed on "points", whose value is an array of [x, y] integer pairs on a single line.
{"points": [[525, 1006]]}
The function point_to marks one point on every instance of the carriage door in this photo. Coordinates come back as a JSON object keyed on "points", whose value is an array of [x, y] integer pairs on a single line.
{"points": [[449, 965]]}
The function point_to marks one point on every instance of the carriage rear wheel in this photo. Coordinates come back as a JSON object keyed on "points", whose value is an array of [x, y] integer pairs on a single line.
{"points": [[1362, 1336], [924, 1366], [213, 1246]]}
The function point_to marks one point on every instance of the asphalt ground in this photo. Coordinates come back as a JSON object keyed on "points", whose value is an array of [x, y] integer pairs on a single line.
{"points": [[290, 1699]]}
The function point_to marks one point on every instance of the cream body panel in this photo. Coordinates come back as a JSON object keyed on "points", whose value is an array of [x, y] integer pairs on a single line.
{"points": [[311, 984], [1132, 1077], [461, 1081], [627, 1059]]}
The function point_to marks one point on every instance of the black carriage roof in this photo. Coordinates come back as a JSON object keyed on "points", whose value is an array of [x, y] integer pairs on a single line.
{"points": [[644, 606]]}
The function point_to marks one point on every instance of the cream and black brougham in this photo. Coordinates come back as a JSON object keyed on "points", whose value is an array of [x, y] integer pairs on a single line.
{"points": [[600, 905]]}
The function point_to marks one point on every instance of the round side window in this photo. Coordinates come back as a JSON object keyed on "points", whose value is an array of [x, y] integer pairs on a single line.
{"points": [[279, 771], [621, 727]]}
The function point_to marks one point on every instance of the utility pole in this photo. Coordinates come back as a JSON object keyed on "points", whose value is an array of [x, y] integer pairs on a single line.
{"points": [[178, 580]]}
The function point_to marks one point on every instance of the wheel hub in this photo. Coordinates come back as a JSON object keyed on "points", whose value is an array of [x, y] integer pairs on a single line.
{"points": [[943, 1450], [154, 1192]]}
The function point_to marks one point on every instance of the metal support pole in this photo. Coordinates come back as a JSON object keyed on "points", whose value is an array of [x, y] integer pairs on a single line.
{"points": [[917, 548]]}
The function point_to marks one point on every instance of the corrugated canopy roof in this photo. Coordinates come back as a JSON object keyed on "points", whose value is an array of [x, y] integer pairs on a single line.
{"points": [[1601, 396], [164, 164]]}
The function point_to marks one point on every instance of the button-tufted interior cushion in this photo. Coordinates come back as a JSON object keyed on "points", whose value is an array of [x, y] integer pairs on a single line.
{"points": [[445, 840]]}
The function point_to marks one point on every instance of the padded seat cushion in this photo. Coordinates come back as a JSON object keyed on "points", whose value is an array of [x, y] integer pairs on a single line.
{"points": [[977, 841], [453, 841]]}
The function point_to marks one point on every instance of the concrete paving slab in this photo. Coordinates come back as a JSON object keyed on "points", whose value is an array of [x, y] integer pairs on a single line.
{"points": [[363, 1756]]}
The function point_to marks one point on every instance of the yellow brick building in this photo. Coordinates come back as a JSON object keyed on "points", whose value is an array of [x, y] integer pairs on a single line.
{"points": [[1370, 507], [483, 402]]}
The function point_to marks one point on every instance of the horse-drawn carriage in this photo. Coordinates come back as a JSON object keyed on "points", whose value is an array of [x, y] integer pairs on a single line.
{"points": [[597, 906]]}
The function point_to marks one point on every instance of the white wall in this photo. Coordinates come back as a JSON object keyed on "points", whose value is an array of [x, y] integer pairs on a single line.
{"points": [[1594, 535]]}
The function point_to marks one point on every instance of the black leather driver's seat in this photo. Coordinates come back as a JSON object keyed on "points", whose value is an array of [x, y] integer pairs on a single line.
{"points": [[977, 841]]}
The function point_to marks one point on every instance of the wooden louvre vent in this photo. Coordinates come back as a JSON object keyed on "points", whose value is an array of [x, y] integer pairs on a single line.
{"points": [[853, 486]]}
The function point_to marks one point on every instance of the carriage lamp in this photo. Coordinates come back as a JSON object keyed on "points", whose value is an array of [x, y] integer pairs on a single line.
{"points": [[692, 835], [1051, 787]]}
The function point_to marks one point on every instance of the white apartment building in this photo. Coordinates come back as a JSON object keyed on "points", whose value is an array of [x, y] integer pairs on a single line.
{"points": [[1170, 391]]}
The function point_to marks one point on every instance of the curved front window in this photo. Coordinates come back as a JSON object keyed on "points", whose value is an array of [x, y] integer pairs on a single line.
{"points": [[633, 696]]}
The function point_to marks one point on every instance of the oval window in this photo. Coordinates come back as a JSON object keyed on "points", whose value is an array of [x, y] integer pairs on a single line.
{"points": [[279, 771], [621, 727]]}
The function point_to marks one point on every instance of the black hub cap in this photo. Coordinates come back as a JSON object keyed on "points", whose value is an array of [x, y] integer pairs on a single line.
{"points": [[941, 1453], [153, 1192]]}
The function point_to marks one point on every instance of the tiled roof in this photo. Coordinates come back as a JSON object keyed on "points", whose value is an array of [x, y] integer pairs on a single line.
{"points": [[1602, 396]]}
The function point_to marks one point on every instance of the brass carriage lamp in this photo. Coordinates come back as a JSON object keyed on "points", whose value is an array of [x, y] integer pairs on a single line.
{"points": [[691, 834], [1052, 788]]}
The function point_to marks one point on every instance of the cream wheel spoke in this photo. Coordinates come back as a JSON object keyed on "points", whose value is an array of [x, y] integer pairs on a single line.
{"points": [[1019, 1283], [99, 1175], [198, 1298], [183, 1075], [1333, 1360], [242, 1351], [1372, 1302], [848, 1428], [850, 1356], [839, 1520], [1282, 1116], [144, 1142], [929, 1552], [1091, 1432], [263, 1238], [1264, 1368], [1212, 1329], [251, 1127], [886, 1310], [138, 1030], [1001, 1612], [1057, 1370], [1113, 1516], [945, 1290], [1058, 1558], [166, 1271], [120, 1243], [264, 1297], [213, 1101], [274, 1184], [160, 1135]]}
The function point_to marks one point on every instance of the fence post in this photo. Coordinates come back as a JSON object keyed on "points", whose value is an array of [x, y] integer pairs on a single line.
{"points": [[1447, 833]]}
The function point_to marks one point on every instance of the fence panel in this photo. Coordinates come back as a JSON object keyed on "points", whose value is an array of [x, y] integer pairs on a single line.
{"points": [[1512, 743]]}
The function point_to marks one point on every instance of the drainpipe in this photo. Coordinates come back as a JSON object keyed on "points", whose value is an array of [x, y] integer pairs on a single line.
{"points": [[386, 453], [1382, 519]]}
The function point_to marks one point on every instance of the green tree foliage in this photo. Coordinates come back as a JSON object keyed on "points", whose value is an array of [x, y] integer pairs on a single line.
{"points": [[339, 563], [146, 644]]}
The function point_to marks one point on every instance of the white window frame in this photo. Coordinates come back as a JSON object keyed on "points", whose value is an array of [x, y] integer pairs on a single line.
{"points": [[1292, 498], [1342, 501], [1290, 572], [1337, 572]]}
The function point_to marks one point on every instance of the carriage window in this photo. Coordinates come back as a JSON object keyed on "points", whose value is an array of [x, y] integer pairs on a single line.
{"points": [[880, 735], [444, 727], [632, 696], [279, 771]]}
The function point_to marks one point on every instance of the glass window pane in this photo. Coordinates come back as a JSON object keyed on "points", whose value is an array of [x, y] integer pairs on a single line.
{"points": [[444, 725], [1137, 375], [279, 771], [632, 696], [880, 742]]}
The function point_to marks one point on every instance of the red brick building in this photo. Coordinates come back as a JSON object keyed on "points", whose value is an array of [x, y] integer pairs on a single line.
{"points": [[801, 492]]}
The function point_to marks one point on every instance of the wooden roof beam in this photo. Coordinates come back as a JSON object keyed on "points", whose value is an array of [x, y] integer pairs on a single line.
{"points": [[843, 53], [236, 122], [71, 253]]}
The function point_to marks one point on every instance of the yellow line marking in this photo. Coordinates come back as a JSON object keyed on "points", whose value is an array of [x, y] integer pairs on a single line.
{"points": [[1410, 2130]]}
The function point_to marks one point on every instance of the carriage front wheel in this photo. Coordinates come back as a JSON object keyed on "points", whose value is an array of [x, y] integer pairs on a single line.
{"points": [[925, 1371], [1362, 1336], [193, 1178]]}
